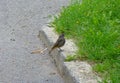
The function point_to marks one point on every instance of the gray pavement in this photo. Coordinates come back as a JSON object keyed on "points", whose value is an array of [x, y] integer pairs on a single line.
{"points": [[20, 22]]}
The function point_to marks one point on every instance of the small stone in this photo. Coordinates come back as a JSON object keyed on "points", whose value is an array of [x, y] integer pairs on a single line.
{"points": [[53, 73], [46, 80], [12, 39]]}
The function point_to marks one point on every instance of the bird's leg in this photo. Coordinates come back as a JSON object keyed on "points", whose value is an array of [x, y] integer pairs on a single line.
{"points": [[60, 49]]}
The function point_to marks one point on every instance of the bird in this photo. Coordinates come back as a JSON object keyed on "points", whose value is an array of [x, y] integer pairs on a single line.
{"points": [[59, 43]]}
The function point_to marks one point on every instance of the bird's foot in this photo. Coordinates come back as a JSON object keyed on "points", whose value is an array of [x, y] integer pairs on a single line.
{"points": [[60, 50]]}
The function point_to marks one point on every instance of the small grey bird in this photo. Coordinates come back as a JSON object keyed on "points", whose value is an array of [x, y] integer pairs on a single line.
{"points": [[59, 43]]}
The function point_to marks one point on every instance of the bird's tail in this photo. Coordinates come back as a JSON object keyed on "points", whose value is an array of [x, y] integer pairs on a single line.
{"points": [[52, 49]]}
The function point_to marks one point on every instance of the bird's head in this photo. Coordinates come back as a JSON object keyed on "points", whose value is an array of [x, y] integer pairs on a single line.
{"points": [[62, 35]]}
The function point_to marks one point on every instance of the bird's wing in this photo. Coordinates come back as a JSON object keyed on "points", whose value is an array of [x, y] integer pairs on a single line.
{"points": [[58, 41]]}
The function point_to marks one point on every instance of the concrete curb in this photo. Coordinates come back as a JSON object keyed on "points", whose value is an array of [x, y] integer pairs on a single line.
{"points": [[72, 72]]}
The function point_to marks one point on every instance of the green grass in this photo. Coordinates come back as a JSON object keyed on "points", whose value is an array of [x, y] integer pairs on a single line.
{"points": [[95, 27]]}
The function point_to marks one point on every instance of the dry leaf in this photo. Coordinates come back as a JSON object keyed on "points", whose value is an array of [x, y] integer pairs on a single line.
{"points": [[38, 51]]}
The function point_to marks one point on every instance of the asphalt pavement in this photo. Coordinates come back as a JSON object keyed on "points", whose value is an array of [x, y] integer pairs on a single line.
{"points": [[20, 22]]}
